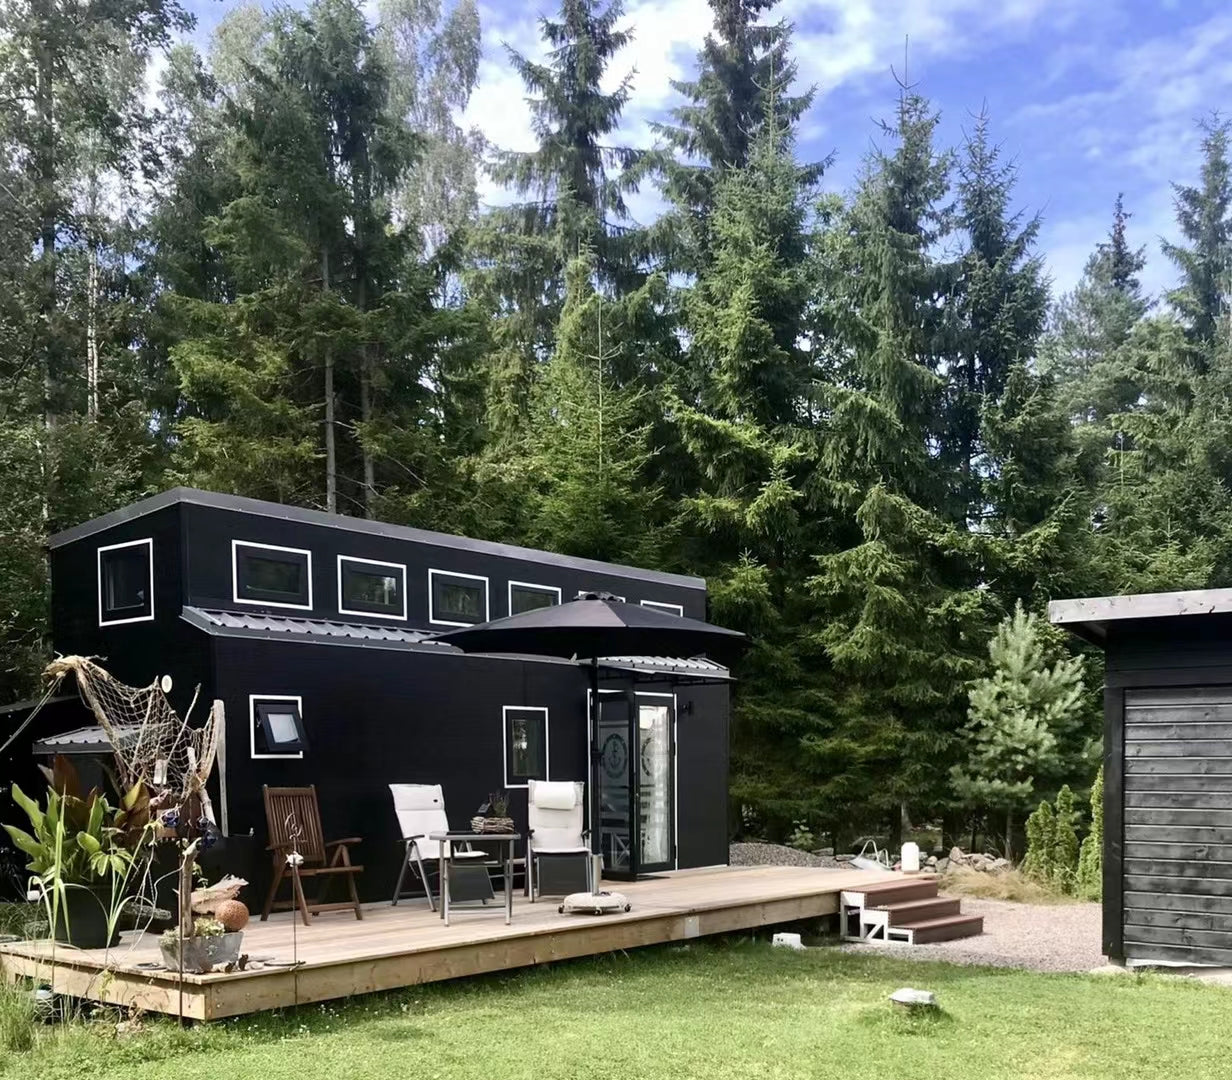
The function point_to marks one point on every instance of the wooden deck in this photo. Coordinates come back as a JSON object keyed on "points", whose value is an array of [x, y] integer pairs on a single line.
{"points": [[339, 956]]}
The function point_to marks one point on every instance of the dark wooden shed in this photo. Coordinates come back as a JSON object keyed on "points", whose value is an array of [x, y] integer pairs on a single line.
{"points": [[1167, 772]]}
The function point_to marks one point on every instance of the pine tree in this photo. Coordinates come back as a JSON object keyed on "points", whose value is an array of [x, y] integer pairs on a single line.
{"points": [[1090, 882], [1022, 721]]}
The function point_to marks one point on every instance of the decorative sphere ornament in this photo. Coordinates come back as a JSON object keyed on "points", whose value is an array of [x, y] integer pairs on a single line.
{"points": [[233, 914]]}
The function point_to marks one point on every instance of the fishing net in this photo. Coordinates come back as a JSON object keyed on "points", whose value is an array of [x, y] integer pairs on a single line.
{"points": [[150, 743]]}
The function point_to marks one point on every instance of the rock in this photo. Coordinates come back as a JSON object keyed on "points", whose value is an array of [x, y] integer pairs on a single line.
{"points": [[977, 862], [914, 999], [126, 1029], [943, 864], [843, 858], [957, 857], [999, 866], [931, 861]]}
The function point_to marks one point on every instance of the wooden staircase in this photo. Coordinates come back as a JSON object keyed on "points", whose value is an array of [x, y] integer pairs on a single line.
{"points": [[909, 911]]}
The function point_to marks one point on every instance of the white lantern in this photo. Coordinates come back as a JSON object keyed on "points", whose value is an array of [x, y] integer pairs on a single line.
{"points": [[911, 858]]}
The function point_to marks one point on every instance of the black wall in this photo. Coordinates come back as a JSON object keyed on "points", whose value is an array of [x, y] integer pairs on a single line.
{"points": [[375, 717], [136, 653], [209, 532]]}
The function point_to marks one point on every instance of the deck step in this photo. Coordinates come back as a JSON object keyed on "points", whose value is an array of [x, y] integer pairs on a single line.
{"points": [[895, 892], [915, 911], [948, 928]]}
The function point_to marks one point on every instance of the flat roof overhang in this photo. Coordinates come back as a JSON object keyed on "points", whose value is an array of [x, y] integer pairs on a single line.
{"points": [[1090, 617]]}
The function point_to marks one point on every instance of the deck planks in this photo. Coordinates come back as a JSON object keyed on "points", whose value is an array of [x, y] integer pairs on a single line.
{"points": [[391, 947]]}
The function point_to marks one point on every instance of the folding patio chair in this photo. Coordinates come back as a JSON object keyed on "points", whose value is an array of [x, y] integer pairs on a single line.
{"points": [[293, 823], [558, 859], [421, 811]]}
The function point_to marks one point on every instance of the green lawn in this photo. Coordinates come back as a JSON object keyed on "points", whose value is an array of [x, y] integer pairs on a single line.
{"points": [[708, 1010]]}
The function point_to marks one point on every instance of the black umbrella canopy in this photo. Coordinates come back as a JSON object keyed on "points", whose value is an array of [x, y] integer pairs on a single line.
{"points": [[592, 627]]}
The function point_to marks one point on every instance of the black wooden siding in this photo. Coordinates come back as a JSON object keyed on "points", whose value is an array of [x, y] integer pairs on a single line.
{"points": [[1176, 806]]}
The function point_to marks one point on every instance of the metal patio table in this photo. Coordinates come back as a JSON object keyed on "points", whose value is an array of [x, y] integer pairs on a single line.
{"points": [[448, 839]]}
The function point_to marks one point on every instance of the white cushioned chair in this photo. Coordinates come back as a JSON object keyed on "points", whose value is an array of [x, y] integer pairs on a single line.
{"points": [[558, 858], [421, 811]]}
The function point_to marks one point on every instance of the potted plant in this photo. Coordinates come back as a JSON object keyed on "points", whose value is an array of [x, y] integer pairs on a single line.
{"points": [[83, 854], [208, 944], [493, 816]]}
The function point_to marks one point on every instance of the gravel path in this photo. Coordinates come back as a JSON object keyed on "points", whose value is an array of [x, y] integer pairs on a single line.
{"points": [[777, 855], [1037, 937]]}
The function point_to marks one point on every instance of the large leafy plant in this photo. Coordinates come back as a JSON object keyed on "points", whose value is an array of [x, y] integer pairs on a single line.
{"points": [[76, 838]]}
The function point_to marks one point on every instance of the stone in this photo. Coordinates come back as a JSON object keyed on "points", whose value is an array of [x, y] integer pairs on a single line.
{"points": [[977, 862], [999, 865], [910, 998], [956, 856], [943, 864]]}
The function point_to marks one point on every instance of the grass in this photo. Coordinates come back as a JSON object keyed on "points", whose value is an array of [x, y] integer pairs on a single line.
{"points": [[715, 1010], [1004, 885], [23, 920]]}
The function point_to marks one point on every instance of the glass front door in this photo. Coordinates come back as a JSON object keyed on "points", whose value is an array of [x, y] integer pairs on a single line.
{"points": [[636, 765], [655, 801]]}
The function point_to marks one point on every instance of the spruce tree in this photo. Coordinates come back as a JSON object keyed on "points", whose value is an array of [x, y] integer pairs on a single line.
{"points": [[1065, 848], [1204, 258], [745, 71]]}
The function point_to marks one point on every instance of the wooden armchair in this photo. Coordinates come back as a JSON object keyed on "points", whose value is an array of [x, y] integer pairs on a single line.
{"points": [[293, 822]]}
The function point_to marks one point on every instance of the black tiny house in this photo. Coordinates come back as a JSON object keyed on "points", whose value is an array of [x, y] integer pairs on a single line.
{"points": [[316, 632], [1167, 858]]}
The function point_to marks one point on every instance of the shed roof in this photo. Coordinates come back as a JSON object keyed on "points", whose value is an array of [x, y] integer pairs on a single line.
{"points": [[696, 666], [1089, 617], [259, 507], [86, 740]]}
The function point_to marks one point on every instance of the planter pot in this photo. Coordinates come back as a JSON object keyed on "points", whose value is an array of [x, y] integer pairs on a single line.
{"points": [[82, 919], [202, 953]]}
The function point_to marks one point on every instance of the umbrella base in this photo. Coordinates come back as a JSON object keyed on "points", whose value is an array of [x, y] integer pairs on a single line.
{"points": [[594, 903]]}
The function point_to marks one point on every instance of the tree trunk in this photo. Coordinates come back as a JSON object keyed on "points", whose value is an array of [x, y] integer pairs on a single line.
{"points": [[365, 395], [331, 449], [92, 334], [1009, 834]]}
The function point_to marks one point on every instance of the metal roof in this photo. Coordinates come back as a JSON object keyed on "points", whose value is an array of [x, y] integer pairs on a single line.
{"points": [[696, 666], [86, 740], [259, 507], [1089, 617], [246, 624]]}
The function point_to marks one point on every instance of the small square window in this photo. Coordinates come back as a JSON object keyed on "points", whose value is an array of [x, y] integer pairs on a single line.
{"points": [[273, 576], [366, 587], [457, 599], [526, 744], [126, 582], [277, 727], [527, 597]]}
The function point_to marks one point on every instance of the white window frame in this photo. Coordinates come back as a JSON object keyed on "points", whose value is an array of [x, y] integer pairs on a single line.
{"points": [[146, 542], [547, 742], [399, 567], [675, 609], [487, 598], [235, 574], [252, 725], [528, 585]]}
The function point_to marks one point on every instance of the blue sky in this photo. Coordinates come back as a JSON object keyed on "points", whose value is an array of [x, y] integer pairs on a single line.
{"points": [[1089, 97]]}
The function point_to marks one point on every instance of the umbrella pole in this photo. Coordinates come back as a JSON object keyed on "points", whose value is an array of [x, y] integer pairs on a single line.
{"points": [[596, 754]]}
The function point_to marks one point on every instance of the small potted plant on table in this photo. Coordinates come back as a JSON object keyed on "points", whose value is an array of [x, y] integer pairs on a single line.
{"points": [[493, 816]]}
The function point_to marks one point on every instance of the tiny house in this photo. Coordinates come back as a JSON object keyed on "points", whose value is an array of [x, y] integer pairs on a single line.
{"points": [[1167, 857], [317, 633]]}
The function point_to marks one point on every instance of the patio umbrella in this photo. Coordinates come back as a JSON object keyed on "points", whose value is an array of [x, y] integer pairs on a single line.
{"points": [[590, 628]]}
